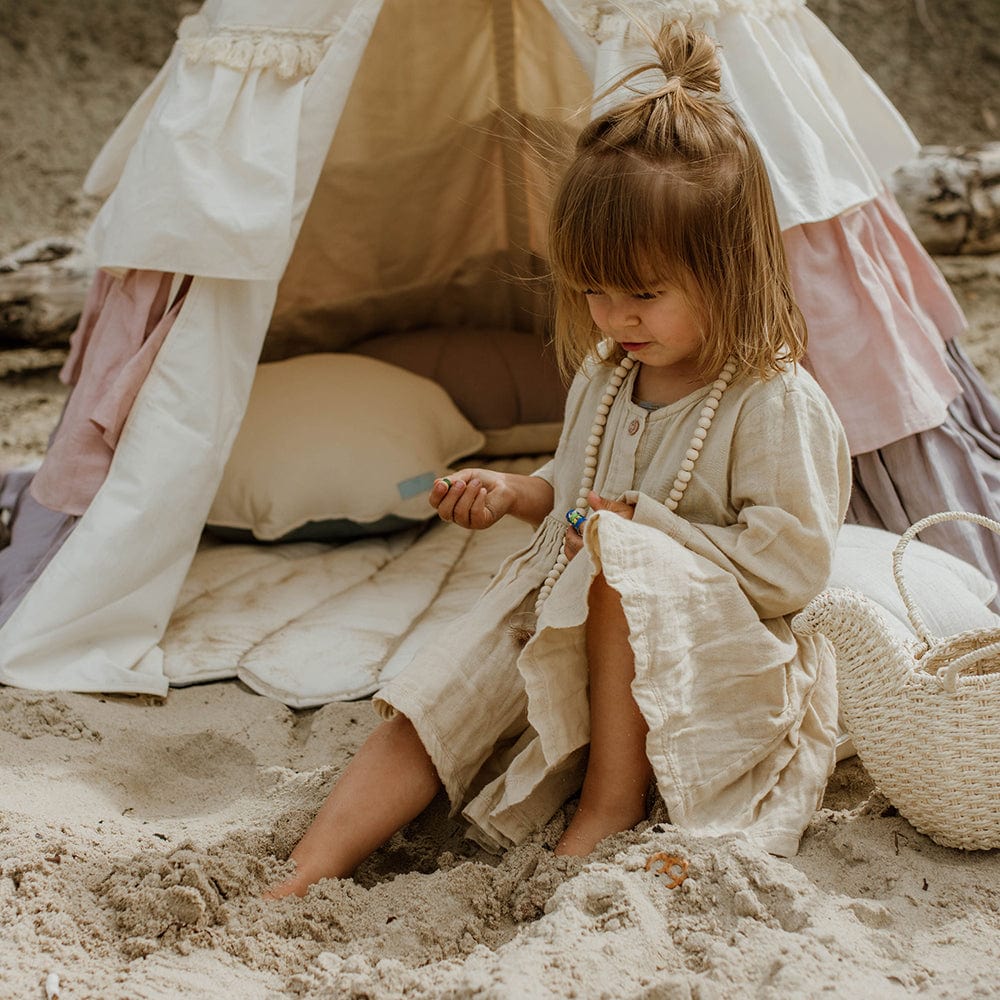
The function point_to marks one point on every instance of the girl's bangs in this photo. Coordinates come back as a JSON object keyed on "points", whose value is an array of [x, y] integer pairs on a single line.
{"points": [[614, 237]]}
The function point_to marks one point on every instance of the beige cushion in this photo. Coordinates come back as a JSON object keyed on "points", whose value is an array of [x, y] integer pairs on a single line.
{"points": [[504, 381], [950, 594], [335, 445]]}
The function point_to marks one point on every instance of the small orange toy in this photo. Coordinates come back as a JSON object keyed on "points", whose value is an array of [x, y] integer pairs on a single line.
{"points": [[673, 867]]}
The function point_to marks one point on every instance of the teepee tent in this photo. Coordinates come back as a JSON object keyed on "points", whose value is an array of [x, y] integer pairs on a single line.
{"points": [[299, 175]]}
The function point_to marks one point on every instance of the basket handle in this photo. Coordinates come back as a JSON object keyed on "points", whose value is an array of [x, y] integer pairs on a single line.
{"points": [[949, 675], [897, 564]]}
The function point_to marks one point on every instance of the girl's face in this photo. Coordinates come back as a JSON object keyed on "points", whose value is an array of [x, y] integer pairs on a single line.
{"points": [[661, 327]]}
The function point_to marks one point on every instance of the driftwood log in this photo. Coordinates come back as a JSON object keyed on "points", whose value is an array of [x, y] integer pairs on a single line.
{"points": [[42, 288], [951, 197]]}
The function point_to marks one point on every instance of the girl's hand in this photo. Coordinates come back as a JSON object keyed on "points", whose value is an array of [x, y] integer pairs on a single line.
{"points": [[573, 540], [473, 498], [619, 507]]}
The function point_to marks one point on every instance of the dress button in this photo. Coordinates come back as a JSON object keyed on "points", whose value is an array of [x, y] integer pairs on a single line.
{"points": [[633, 427]]}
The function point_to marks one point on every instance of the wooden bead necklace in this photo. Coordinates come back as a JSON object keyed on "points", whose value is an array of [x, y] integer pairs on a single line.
{"points": [[578, 515]]}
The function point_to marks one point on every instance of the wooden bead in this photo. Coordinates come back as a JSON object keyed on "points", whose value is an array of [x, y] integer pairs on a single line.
{"points": [[687, 465], [676, 495], [616, 380], [704, 423], [691, 455], [594, 439], [684, 476], [607, 399], [604, 409], [699, 435], [591, 450]]}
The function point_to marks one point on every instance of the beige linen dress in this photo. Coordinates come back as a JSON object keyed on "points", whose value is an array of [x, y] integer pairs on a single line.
{"points": [[742, 714]]}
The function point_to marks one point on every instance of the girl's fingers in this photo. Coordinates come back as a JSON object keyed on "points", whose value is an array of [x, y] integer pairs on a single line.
{"points": [[448, 501], [463, 503], [462, 512], [572, 542], [615, 506], [439, 491], [481, 515]]}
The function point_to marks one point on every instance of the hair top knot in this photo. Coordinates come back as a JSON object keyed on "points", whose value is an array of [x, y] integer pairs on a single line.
{"points": [[685, 57], [673, 84], [674, 96], [687, 54]]}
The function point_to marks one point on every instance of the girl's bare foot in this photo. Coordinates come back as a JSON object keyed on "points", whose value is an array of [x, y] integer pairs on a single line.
{"points": [[297, 884], [352, 822], [282, 889], [590, 826]]}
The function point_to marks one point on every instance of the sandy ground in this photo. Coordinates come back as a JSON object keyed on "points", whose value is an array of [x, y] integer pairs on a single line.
{"points": [[136, 833]]}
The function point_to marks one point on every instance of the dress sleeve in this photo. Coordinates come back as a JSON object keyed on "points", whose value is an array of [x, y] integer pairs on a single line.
{"points": [[546, 472], [789, 477]]}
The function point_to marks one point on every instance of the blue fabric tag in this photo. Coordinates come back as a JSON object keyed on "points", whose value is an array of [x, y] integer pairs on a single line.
{"points": [[415, 485]]}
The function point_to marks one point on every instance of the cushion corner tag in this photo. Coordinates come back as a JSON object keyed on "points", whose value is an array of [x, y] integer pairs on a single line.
{"points": [[415, 485]]}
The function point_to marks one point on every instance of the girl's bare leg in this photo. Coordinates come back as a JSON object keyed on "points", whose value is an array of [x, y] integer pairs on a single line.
{"points": [[390, 781], [618, 772]]}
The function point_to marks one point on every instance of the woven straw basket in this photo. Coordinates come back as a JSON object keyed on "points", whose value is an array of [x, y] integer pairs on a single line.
{"points": [[924, 715]]}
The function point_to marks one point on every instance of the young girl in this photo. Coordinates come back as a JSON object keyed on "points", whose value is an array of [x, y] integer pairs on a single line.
{"points": [[704, 477]]}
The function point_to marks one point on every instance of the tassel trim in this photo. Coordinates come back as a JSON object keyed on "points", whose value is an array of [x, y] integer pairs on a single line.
{"points": [[289, 52], [605, 21]]}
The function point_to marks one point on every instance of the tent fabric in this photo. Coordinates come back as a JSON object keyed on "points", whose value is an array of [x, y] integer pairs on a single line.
{"points": [[36, 535], [328, 169], [229, 155], [94, 618], [826, 131], [224, 151], [122, 327], [890, 378]]}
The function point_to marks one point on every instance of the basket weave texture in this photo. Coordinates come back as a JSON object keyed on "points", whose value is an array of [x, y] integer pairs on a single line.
{"points": [[924, 714]]}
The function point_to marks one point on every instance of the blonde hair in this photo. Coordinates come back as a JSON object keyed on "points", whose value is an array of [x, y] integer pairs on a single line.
{"points": [[669, 186]]}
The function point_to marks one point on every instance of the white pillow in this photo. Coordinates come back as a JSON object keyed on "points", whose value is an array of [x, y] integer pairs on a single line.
{"points": [[335, 446], [950, 594]]}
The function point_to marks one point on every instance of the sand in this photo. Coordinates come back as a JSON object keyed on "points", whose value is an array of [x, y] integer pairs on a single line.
{"points": [[137, 833]]}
